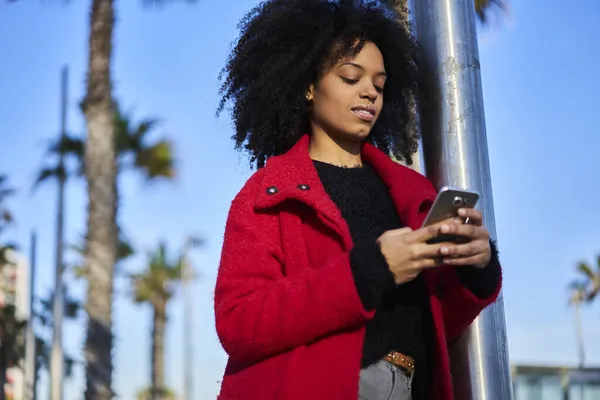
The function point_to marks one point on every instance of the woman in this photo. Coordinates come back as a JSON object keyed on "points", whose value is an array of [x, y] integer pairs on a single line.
{"points": [[327, 288]]}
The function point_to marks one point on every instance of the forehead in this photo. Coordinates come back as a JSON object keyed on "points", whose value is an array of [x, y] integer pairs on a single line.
{"points": [[369, 58], [369, 55]]}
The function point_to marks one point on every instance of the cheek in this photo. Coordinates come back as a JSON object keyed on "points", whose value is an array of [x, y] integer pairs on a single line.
{"points": [[330, 107]]}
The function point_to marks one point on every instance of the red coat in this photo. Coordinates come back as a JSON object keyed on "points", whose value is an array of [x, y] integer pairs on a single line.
{"points": [[286, 307]]}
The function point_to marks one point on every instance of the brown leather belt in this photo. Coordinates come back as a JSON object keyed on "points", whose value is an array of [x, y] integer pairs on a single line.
{"points": [[400, 360]]}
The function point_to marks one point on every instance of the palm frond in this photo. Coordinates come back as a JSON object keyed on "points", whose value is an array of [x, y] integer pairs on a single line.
{"points": [[144, 128], [158, 281], [484, 8], [5, 190], [578, 292], [46, 174], [157, 161], [67, 145], [124, 249], [586, 270], [6, 217]]}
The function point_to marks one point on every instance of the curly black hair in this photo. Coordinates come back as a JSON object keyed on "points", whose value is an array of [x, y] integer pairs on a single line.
{"points": [[287, 45]]}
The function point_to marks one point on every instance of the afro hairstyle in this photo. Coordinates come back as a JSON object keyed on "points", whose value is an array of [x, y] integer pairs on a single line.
{"points": [[284, 46]]}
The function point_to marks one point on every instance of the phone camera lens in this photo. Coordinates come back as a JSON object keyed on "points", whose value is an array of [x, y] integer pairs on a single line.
{"points": [[458, 202]]}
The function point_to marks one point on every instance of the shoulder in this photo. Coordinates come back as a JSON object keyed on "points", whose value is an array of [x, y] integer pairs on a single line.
{"points": [[246, 223], [417, 182], [244, 200], [418, 179]]}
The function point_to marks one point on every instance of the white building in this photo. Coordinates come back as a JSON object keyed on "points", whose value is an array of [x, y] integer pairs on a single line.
{"points": [[14, 289]]}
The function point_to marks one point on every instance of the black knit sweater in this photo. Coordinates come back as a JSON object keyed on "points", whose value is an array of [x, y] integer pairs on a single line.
{"points": [[403, 318]]}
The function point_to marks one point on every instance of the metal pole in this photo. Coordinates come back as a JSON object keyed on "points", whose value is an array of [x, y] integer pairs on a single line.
{"points": [[187, 318], [455, 154], [57, 361], [30, 356]]}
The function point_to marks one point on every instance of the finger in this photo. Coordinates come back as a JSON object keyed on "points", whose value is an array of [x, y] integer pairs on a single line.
{"points": [[465, 261], [423, 250], [465, 250], [475, 217], [431, 262], [466, 230], [428, 232]]}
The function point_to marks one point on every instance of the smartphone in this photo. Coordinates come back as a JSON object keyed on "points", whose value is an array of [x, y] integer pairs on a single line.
{"points": [[446, 205]]}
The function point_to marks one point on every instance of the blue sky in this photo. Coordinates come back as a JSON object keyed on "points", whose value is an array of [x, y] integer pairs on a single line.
{"points": [[540, 85]]}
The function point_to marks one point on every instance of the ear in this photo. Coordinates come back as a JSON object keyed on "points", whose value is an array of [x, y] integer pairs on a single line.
{"points": [[310, 94]]}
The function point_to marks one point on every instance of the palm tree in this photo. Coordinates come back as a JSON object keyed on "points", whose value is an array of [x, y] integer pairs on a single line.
{"points": [[5, 192], [146, 394], [124, 251], [133, 150], [483, 8], [576, 297], [591, 276], [156, 286], [584, 290], [101, 176]]}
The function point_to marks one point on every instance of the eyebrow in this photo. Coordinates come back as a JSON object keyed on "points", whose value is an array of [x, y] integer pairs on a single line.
{"points": [[382, 73]]}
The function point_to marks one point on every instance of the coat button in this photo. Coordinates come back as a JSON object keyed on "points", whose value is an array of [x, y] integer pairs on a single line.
{"points": [[272, 190], [303, 187]]}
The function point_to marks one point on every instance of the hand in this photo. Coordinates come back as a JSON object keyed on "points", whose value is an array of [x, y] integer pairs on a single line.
{"points": [[477, 251], [407, 252]]}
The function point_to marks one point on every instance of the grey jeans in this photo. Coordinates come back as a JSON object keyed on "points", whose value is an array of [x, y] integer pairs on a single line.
{"points": [[384, 381]]}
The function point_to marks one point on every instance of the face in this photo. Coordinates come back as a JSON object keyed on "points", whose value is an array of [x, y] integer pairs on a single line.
{"points": [[348, 99]]}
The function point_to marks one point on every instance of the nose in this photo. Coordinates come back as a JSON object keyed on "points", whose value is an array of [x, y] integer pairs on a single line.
{"points": [[369, 92]]}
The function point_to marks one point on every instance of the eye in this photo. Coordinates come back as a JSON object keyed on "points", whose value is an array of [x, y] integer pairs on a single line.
{"points": [[379, 89], [349, 81]]}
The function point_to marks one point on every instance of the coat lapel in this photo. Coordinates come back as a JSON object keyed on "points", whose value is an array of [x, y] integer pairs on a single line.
{"points": [[293, 176]]}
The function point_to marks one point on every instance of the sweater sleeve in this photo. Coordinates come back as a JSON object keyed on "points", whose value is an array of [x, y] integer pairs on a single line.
{"points": [[482, 282], [371, 274]]}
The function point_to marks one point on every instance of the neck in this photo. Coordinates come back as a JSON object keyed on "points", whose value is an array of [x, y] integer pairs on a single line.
{"points": [[336, 151]]}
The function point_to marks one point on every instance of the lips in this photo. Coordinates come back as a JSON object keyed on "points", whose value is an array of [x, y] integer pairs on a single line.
{"points": [[364, 112]]}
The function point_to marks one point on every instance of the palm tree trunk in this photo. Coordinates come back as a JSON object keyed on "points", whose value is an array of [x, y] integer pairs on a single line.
{"points": [[159, 322], [100, 170], [579, 332]]}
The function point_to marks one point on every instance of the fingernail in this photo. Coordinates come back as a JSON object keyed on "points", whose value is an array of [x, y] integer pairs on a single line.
{"points": [[462, 212], [444, 250], [445, 228]]}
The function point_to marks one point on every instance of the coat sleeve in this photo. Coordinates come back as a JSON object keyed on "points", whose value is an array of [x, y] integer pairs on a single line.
{"points": [[462, 302], [260, 312], [461, 296]]}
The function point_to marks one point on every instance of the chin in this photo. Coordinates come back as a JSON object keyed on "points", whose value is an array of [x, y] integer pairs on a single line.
{"points": [[355, 136], [362, 133]]}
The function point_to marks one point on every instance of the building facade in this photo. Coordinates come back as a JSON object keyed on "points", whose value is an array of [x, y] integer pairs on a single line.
{"points": [[533, 382], [14, 290]]}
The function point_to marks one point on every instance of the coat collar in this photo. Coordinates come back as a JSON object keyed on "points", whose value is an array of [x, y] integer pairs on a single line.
{"points": [[294, 176]]}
